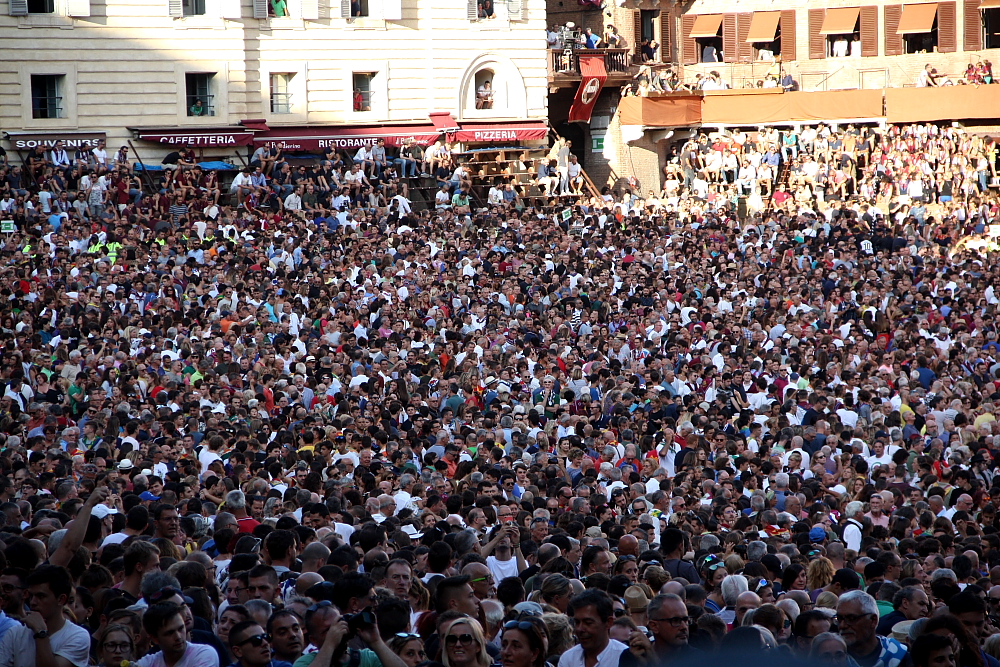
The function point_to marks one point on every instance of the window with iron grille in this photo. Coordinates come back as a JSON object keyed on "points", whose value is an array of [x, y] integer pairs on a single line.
{"points": [[363, 91], [200, 100], [281, 96], [46, 95]]}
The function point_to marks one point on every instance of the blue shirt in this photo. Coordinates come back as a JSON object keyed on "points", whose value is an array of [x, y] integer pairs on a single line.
{"points": [[6, 623]]}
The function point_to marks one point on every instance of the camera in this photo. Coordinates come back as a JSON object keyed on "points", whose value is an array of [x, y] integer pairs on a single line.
{"points": [[363, 619]]}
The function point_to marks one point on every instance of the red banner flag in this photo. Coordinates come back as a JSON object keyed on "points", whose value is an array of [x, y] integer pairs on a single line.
{"points": [[594, 76]]}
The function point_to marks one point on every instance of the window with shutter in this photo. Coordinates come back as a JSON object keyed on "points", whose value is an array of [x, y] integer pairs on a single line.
{"points": [[787, 35], [744, 49], [230, 9], [817, 42], [78, 7], [668, 41], [309, 9], [973, 26], [18, 7], [637, 33], [869, 31], [947, 19], [471, 10], [260, 9], [515, 10], [689, 46], [392, 10], [175, 7], [730, 51], [893, 42]]}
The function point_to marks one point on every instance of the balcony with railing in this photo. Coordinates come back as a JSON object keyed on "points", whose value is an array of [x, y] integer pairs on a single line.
{"points": [[564, 64]]}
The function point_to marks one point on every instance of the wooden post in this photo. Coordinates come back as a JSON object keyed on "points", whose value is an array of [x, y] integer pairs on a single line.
{"points": [[149, 179]]}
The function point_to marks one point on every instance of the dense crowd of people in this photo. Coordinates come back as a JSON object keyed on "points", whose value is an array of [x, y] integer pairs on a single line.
{"points": [[619, 432], [899, 172]]}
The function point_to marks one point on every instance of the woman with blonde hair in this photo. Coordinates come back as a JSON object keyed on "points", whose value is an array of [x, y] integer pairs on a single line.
{"points": [[819, 574], [827, 600], [464, 644], [560, 635]]}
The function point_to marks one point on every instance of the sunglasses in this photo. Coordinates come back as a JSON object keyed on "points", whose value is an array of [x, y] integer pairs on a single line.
{"points": [[463, 639], [255, 640], [517, 625], [407, 635]]}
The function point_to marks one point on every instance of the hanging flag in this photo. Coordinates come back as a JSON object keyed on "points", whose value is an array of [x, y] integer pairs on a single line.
{"points": [[594, 76]]}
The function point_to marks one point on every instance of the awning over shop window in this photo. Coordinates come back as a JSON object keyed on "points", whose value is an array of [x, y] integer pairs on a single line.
{"points": [[201, 137], [318, 138], [763, 27], [706, 25], [259, 124], [71, 140], [917, 19], [989, 4], [499, 133], [840, 21], [444, 121]]}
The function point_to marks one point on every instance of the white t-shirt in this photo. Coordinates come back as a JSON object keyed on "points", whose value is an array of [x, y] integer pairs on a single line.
{"points": [[196, 655], [501, 569], [206, 457], [71, 642]]}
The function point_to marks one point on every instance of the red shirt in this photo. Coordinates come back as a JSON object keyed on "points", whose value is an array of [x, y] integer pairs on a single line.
{"points": [[247, 524]]}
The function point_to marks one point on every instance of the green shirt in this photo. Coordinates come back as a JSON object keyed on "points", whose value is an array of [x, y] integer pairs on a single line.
{"points": [[368, 659]]}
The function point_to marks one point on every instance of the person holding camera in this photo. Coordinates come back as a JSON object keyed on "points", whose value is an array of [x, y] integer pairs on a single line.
{"points": [[339, 631]]}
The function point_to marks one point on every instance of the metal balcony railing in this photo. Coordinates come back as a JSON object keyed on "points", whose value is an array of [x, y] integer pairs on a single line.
{"points": [[567, 61]]}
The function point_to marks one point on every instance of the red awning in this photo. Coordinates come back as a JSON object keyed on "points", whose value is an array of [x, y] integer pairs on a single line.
{"points": [[498, 133], [444, 121], [317, 138], [199, 137], [259, 124]]}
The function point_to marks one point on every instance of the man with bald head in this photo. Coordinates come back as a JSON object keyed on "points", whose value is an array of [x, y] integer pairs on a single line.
{"points": [[674, 588], [746, 601], [305, 581], [481, 580], [628, 545]]}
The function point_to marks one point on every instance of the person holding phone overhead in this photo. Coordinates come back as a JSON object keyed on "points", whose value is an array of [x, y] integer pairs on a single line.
{"points": [[505, 543]]}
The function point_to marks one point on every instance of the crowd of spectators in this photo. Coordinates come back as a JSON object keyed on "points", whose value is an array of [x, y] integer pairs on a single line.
{"points": [[614, 432], [899, 172]]}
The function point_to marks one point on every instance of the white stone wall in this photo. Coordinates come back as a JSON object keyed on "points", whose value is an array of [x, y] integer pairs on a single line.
{"points": [[125, 64]]}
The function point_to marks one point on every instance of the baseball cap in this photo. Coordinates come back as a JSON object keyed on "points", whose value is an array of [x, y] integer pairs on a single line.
{"points": [[146, 495], [102, 511]]}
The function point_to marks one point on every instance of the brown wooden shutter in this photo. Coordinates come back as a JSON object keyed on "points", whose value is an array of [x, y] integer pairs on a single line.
{"points": [[893, 42], [787, 34], [668, 40], [947, 18], [869, 31], [973, 26], [689, 46], [744, 49], [637, 33], [817, 42], [730, 50]]}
